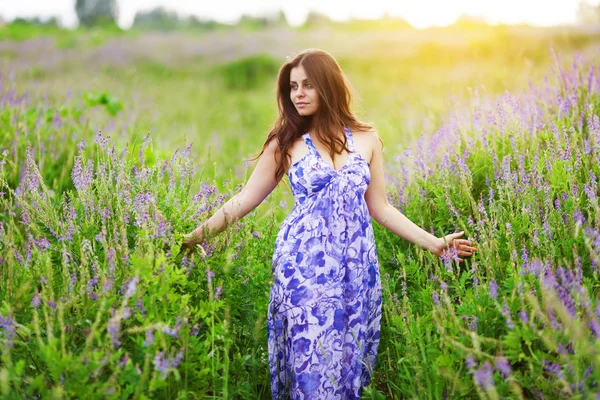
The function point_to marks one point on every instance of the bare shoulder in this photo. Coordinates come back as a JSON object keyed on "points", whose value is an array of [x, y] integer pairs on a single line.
{"points": [[370, 135], [365, 143], [272, 146]]}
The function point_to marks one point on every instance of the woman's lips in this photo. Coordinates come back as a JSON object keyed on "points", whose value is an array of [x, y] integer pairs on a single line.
{"points": [[301, 104]]}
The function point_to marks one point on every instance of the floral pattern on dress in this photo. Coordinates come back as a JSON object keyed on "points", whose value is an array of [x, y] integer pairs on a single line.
{"points": [[325, 302]]}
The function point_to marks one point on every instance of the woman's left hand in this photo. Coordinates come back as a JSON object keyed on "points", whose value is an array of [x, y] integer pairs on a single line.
{"points": [[464, 247]]}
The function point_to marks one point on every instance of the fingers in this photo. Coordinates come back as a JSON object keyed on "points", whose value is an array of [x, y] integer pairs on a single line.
{"points": [[458, 234]]}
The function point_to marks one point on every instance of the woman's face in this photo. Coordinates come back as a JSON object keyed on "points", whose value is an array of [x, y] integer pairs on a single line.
{"points": [[302, 93]]}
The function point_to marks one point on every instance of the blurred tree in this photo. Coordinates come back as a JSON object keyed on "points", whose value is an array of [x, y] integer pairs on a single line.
{"points": [[266, 20], [588, 12], [203, 24], [157, 18], [316, 18], [96, 12], [52, 21], [466, 21]]}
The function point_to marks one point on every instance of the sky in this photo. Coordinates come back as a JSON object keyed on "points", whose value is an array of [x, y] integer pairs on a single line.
{"points": [[416, 12]]}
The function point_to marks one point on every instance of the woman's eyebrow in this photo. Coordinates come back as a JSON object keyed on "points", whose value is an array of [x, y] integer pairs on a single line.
{"points": [[306, 80]]}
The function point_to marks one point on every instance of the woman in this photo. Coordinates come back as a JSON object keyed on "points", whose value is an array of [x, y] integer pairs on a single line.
{"points": [[325, 302]]}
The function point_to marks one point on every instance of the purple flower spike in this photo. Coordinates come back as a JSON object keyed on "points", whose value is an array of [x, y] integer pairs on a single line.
{"points": [[484, 376], [503, 366], [35, 301], [493, 289]]}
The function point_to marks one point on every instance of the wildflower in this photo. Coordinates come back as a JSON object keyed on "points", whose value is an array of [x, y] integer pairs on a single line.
{"points": [[471, 362], [149, 337], [256, 234], [503, 366], [114, 326], [102, 140], [195, 329], [218, 292], [472, 323], [162, 364], [123, 361], [131, 286], [506, 312], [436, 298], [523, 316], [35, 301], [90, 287], [484, 376], [8, 325], [554, 368], [209, 275], [493, 289], [525, 257], [578, 217], [139, 305], [448, 255]]}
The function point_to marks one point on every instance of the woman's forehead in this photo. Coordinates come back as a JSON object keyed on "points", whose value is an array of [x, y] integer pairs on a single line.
{"points": [[297, 73]]}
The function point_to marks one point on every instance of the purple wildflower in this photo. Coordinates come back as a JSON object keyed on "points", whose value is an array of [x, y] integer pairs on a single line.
{"points": [[448, 255], [35, 301], [218, 292], [471, 362], [8, 325], [523, 316], [436, 298], [506, 312], [503, 366], [484, 376], [472, 323], [149, 337], [124, 360], [209, 275], [114, 326], [195, 329], [139, 305], [553, 368], [174, 332], [162, 364], [493, 289], [131, 286]]}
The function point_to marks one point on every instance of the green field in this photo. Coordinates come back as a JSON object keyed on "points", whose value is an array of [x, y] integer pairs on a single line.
{"points": [[494, 131]]}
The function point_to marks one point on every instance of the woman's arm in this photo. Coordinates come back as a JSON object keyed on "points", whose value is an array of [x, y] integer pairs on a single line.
{"points": [[388, 216], [260, 184]]}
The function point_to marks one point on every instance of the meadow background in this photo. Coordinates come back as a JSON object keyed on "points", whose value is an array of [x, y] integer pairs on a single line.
{"points": [[114, 143]]}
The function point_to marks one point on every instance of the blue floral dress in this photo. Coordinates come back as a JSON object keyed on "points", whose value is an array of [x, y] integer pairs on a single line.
{"points": [[325, 302]]}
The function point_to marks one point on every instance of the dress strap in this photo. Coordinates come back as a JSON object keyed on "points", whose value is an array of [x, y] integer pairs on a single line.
{"points": [[312, 147], [350, 138], [308, 142]]}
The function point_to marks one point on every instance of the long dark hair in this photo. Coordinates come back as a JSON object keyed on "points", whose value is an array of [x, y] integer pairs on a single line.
{"points": [[334, 112]]}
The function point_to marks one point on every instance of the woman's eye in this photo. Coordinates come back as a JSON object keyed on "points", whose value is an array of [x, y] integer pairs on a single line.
{"points": [[308, 85]]}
